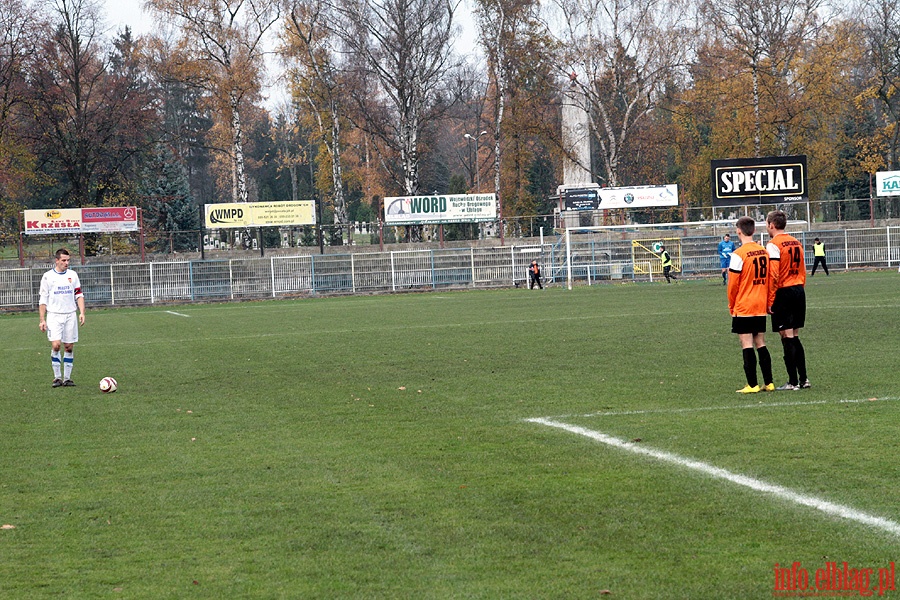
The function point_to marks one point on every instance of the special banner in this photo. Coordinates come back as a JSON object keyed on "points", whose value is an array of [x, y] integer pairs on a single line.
{"points": [[642, 196], [260, 214], [456, 208], [767, 180], [81, 220]]}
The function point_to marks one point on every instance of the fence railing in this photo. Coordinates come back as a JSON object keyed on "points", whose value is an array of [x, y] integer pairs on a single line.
{"points": [[594, 257]]}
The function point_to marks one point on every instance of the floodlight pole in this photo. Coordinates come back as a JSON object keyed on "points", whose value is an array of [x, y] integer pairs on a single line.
{"points": [[475, 138], [22, 242]]}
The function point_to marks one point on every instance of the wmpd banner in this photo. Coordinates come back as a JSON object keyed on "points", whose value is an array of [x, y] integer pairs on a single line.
{"points": [[81, 220], [456, 208], [887, 183], [642, 196], [260, 214], [767, 180]]}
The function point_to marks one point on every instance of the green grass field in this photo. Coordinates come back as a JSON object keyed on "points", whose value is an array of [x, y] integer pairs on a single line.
{"points": [[381, 447]]}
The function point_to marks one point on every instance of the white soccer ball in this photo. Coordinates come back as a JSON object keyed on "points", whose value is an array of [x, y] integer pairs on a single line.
{"points": [[108, 385]]}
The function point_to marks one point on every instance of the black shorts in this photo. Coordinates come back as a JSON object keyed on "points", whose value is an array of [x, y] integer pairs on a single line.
{"points": [[752, 325], [789, 309]]}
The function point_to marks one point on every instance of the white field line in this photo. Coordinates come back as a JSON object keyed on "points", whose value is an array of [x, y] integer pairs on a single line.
{"points": [[178, 314], [672, 411], [783, 493]]}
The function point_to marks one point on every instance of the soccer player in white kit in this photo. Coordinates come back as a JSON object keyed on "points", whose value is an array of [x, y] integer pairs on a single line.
{"points": [[60, 296]]}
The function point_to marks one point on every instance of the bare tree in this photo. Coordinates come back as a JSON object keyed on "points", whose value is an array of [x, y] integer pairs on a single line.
{"points": [[501, 24], [319, 81], [620, 54], [769, 34], [221, 45], [402, 51], [17, 44], [89, 110], [880, 21]]}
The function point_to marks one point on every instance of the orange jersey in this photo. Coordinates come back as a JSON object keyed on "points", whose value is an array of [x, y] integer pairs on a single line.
{"points": [[749, 281], [788, 265]]}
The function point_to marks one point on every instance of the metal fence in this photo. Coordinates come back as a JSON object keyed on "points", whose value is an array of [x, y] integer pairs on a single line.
{"points": [[598, 256]]}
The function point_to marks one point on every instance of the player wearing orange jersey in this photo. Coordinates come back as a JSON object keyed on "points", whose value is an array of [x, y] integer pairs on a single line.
{"points": [[749, 287], [788, 299]]}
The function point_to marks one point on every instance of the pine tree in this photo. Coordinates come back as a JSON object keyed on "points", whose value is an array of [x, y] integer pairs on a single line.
{"points": [[170, 206]]}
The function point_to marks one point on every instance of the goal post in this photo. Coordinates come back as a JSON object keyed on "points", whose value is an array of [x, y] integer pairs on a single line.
{"points": [[645, 241]]}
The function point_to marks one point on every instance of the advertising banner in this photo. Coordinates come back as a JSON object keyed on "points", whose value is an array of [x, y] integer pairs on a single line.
{"points": [[115, 218], [887, 183], [81, 220], [458, 208], [259, 214], [55, 220], [581, 199], [768, 180], [642, 196]]}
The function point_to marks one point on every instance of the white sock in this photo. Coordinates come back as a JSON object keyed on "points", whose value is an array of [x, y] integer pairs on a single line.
{"points": [[68, 358], [56, 364]]}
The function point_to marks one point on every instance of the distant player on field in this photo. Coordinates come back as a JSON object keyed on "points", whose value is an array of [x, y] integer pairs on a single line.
{"points": [[749, 286], [788, 303], [819, 254], [534, 275], [60, 296], [666, 259], [724, 250]]}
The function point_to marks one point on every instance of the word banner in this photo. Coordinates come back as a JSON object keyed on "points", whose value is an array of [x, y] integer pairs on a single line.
{"points": [[766, 180], [642, 196], [887, 183], [114, 218], [260, 214], [458, 208]]}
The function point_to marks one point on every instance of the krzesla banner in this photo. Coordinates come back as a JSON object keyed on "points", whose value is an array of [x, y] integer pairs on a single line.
{"points": [[260, 214], [887, 183], [55, 220], [641, 196], [767, 180], [81, 220], [458, 208]]}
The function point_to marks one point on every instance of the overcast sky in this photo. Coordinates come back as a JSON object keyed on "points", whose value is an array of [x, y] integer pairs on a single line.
{"points": [[128, 12], [120, 13]]}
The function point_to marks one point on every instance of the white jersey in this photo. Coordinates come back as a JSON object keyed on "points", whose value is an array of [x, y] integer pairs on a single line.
{"points": [[59, 291]]}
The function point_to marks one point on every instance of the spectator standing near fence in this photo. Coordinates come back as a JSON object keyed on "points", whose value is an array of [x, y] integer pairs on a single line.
{"points": [[819, 257], [724, 250], [60, 297], [749, 287], [788, 304], [534, 275]]}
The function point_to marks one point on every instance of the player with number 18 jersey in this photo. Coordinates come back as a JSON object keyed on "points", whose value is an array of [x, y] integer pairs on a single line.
{"points": [[749, 285]]}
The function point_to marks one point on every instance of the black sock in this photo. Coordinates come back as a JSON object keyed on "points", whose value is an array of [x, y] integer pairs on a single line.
{"points": [[765, 364], [800, 360], [750, 367], [789, 360]]}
